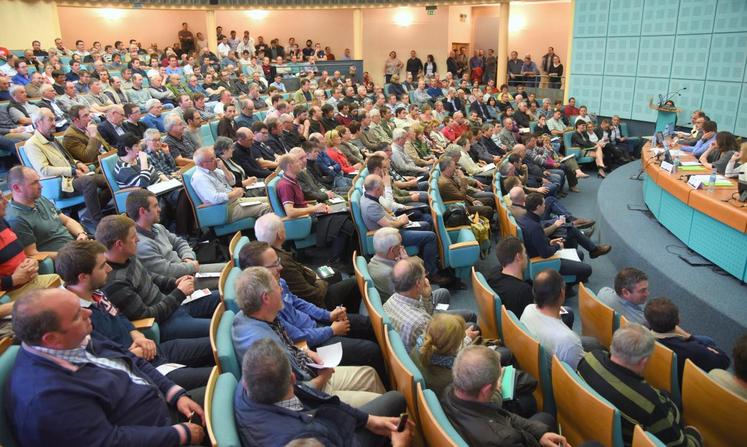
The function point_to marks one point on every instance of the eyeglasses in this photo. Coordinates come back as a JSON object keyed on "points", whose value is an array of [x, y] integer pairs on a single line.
{"points": [[274, 265]]}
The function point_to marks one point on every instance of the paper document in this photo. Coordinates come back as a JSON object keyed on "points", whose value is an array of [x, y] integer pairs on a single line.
{"points": [[488, 167], [331, 356], [249, 203], [207, 275], [689, 163], [442, 306], [569, 253], [169, 367], [334, 200], [161, 187], [256, 185], [412, 225], [196, 295], [720, 180], [567, 157]]}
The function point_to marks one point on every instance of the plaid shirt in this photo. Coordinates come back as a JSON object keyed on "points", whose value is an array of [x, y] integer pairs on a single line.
{"points": [[293, 404], [81, 356], [409, 317], [162, 162]]}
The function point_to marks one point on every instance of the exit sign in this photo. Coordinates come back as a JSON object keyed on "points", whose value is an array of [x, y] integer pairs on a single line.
{"points": [[431, 10]]}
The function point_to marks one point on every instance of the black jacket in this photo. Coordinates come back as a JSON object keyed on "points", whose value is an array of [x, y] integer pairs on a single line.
{"points": [[243, 156], [456, 106], [107, 132]]}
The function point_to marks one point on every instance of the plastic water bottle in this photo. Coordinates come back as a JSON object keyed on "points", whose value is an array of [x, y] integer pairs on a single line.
{"points": [[712, 180], [676, 164]]}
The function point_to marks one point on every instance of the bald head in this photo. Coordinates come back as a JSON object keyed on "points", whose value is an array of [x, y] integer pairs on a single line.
{"points": [[517, 195], [407, 273], [49, 317]]}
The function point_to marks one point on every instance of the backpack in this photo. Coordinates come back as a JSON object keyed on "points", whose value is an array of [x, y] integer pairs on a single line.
{"points": [[455, 215], [481, 229]]}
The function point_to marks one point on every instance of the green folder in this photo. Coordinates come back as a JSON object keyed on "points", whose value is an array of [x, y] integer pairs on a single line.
{"points": [[691, 168], [719, 183], [508, 382]]}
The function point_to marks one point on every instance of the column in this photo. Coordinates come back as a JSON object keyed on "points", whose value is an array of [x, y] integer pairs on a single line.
{"points": [[569, 55], [357, 34], [503, 43], [211, 24]]}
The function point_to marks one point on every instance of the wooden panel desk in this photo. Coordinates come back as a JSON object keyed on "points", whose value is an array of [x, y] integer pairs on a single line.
{"points": [[711, 223]]}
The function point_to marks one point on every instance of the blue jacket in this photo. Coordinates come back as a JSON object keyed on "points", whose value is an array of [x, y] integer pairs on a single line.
{"points": [[535, 240], [246, 330], [705, 355], [333, 423], [700, 147], [49, 402], [326, 163], [299, 318], [153, 122]]}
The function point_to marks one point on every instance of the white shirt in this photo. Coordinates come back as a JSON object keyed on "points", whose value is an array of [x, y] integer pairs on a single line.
{"points": [[223, 49], [553, 335]]}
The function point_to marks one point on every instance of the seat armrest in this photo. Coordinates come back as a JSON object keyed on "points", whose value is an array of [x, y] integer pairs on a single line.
{"points": [[143, 323], [39, 256], [127, 190]]}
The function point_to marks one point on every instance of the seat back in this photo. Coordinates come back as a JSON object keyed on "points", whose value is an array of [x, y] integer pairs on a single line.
{"points": [[362, 277], [642, 438], [717, 412], [567, 139], [365, 242], [107, 163], [219, 411], [194, 199], [661, 370], [488, 307], [578, 404], [206, 135], [7, 360], [597, 319], [214, 129], [406, 374], [272, 193], [379, 322], [222, 343], [529, 355], [434, 424]]}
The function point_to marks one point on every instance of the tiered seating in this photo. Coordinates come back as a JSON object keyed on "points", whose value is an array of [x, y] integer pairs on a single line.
{"points": [[488, 307], [297, 229], [51, 186], [221, 342], [219, 414]]}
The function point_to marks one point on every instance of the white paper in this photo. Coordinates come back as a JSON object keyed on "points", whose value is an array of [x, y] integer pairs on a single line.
{"points": [[412, 225], [524, 130], [160, 187], [689, 163], [667, 166], [567, 157], [256, 185], [488, 167], [334, 200], [249, 203], [207, 275], [169, 367], [331, 356], [569, 253], [196, 295], [695, 182], [442, 306]]}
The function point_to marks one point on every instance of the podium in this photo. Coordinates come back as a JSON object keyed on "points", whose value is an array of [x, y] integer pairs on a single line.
{"points": [[665, 116]]}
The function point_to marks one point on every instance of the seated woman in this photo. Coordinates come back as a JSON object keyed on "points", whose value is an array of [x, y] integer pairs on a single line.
{"points": [[717, 156], [493, 110], [226, 125], [738, 171], [552, 150], [223, 148], [580, 139], [333, 142], [133, 168], [347, 145]]}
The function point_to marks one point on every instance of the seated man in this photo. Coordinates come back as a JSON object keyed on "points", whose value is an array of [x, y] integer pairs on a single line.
{"points": [[402, 162], [159, 250], [50, 159], [153, 119], [82, 139], [97, 100], [332, 229], [629, 294], [182, 145], [542, 319], [19, 108], [317, 326], [508, 282], [18, 273], [301, 280], [663, 318], [311, 187], [618, 377], [411, 306], [138, 94], [139, 293], [556, 220], [480, 420], [454, 185], [375, 216], [213, 185], [537, 244], [65, 385], [83, 267], [244, 156], [71, 97], [388, 248], [272, 408], [41, 228], [737, 382], [395, 198], [708, 138], [260, 299], [112, 127]]}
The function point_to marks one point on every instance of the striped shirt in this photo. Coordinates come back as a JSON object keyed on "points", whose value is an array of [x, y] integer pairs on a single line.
{"points": [[11, 254], [131, 175], [638, 402]]}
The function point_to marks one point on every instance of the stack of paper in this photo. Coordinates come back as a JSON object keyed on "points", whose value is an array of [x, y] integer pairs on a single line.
{"points": [[161, 187], [331, 356]]}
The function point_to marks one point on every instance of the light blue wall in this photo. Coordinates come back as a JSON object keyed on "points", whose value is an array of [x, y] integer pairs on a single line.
{"points": [[628, 51]]}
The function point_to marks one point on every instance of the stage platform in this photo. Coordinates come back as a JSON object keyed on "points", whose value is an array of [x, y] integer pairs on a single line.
{"points": [[710, 303]]}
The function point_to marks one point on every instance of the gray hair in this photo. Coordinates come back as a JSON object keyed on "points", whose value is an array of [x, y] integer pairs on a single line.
{"points": [[221, 145], [15, 89], [445, 161], [151, 134], [285, 160], [267, 227], [384, 239], [266, 371], [285, 118], [398, 134], [251, 285], [372, 182], [406, 273], [40, 114], [170, 121], [245, 103], [201, 153], [149, 104], [632, 343], [474, 367], [373, 112], [296, 151], [45, 88]]}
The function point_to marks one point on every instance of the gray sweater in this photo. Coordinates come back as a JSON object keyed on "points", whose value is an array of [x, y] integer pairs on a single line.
{"points": [[162, 252]]}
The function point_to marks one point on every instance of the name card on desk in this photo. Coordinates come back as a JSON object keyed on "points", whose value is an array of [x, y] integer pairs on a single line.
{"points": [[667, 166], [695, 181]]}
